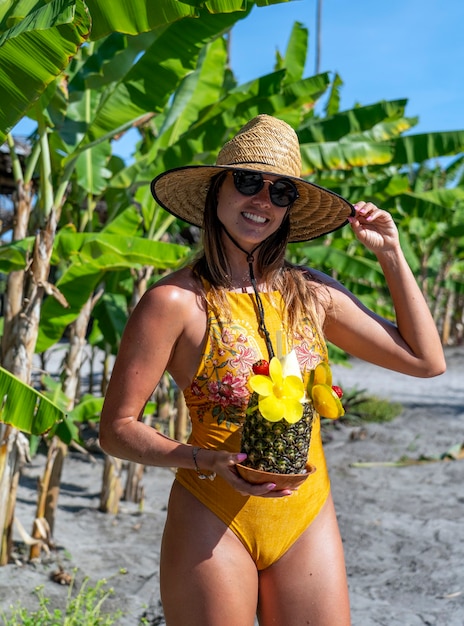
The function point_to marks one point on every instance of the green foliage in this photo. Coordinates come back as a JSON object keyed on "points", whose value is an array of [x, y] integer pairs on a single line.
{"points": [[93, 256], [24, 407], [39, 40], [35, 47], [361, 407], [82, 609]]}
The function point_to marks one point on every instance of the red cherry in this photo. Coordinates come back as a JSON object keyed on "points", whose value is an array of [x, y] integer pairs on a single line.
{"points": [[261, 367], [338, 390]]}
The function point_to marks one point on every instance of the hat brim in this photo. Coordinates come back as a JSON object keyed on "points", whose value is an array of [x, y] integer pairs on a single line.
{"points": [[317, 211]]}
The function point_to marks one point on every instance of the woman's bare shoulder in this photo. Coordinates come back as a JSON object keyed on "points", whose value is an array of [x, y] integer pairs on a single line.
{"points": [[170, 302], [179, 286], [184, 278]]}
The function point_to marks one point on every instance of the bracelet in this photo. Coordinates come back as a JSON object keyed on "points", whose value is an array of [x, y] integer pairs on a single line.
{"points": [[212, 476]]}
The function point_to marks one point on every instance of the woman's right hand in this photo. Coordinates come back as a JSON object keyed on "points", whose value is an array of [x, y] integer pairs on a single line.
{"points": [[224, 464]]}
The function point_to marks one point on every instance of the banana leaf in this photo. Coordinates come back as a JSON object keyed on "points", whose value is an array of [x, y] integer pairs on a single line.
{"points": [[98, 254], [343, 156], [39, 39], [421, 147], [35, 47], [110, 313], [25, 408], [149, 83], [443, 198], [14, 256], [353, 122], [342, 262], [295, 56]]}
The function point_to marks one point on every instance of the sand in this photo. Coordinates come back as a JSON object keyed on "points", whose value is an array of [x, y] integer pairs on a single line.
{"points": [[402, 526]]}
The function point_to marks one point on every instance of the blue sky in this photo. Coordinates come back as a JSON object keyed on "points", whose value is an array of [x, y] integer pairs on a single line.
{"points": [[411, 49]]}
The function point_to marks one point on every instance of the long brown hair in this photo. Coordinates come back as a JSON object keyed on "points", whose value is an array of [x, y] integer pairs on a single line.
{"points": [[300, 293]]}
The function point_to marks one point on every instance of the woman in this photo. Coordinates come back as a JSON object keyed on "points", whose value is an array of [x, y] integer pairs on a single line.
{"points": [[232, 550]]}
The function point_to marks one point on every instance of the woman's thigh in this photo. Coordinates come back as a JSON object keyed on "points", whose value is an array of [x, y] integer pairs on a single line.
{"points": [[308, 584], [207, 576]]}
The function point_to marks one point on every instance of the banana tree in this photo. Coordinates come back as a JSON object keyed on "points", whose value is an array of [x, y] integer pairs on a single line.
{"points": [[38, 38], [23, 410], [425, 201], [432, 221]]}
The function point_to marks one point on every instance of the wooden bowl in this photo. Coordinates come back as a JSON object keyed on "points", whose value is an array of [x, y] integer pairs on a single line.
{"points": [[282, 481]]}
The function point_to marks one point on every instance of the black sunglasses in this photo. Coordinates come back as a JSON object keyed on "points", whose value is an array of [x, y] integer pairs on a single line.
{"points": [[281, 191]]}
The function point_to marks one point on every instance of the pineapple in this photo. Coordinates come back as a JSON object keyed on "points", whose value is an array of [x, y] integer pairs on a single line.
{"points": [[278, 447], [276, 432]]}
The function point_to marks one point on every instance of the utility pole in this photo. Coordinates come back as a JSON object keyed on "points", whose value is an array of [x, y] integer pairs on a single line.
{"points": [[318, 35]]}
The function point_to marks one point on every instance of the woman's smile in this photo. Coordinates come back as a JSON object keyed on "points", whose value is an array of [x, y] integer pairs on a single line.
{"points": [[257, 219]]}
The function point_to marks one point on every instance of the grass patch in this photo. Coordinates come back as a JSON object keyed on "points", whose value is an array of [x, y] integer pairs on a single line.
{"points": [[361, 407], [83, 608]]}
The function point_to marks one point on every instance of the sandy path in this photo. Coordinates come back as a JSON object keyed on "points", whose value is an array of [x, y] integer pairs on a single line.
{"points": [[402, 527]]}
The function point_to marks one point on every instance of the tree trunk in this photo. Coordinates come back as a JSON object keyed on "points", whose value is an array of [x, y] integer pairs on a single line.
{"points": [[75, 356], [181, 425], [448, 318], [50, 482], [14, 451], [23, 301], [49, 489], [111, 485], [134, 491]]}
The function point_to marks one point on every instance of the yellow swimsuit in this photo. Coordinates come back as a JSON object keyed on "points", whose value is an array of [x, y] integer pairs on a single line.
{"points": [[217, 399]]}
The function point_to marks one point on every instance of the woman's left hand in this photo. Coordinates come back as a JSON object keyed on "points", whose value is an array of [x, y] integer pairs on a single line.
{"points": [[374, 227]]}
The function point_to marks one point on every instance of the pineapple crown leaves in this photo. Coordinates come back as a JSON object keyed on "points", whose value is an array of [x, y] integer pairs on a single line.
{"points": [[279, 396]]}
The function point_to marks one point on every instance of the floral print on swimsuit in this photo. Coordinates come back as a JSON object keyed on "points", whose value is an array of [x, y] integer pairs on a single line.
{"points": [[219, 392]]}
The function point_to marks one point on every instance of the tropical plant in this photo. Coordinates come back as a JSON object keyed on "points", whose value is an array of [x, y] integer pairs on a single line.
{"points": [[32, 413], [38, 38], [424, 199]]}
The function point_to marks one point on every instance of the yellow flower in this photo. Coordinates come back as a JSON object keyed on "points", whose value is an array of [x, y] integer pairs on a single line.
{"points": [[279, 396]]}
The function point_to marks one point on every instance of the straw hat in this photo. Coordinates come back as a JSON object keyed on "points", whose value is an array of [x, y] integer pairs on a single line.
{"points": [[268, 145]]}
